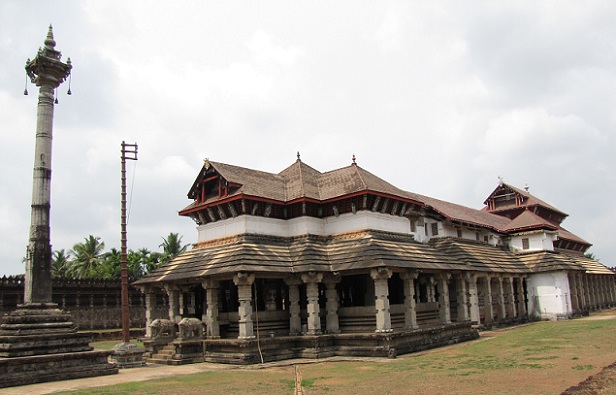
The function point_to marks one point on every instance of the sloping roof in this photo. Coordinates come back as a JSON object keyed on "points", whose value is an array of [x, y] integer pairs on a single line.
{"points": [[464, 214], [262, 254], [566, 235], [530, 200], [480, 256], [529, 220], [545, 261]]}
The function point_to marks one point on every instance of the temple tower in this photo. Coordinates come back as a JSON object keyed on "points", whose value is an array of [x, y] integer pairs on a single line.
{"points": [[47, 71]]}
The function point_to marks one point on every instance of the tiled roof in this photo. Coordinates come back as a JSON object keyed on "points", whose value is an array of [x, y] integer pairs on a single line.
{"points": [[566, 235], [262, 254], [529, 220], [531, 200], [480, 256], [546, 261]]}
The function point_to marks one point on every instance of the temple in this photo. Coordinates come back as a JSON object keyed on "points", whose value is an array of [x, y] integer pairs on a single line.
{"points": [[310, 264]]}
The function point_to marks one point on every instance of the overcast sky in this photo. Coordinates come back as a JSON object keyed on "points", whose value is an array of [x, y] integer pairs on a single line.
{"points": [[438, 98]]}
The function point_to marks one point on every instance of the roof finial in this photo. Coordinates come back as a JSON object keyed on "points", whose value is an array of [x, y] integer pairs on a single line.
{"points": [[49, 41], [354, 159], [298, 156], [500, 181], [526, 187]]}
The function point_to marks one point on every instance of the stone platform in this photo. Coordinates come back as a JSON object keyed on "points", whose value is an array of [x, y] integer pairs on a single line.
{"points": [[38, 343]]}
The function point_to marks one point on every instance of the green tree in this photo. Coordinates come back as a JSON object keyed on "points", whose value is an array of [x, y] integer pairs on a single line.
{"points": [[60, 264], [110, 265], [87, 257]]}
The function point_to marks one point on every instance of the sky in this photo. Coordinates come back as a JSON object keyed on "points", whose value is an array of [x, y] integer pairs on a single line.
{"points": [[438, 98]]}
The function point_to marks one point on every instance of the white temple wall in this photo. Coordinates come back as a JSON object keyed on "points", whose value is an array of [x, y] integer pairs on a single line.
{"points": [[540, 241], [549, 295], [303, 225]]}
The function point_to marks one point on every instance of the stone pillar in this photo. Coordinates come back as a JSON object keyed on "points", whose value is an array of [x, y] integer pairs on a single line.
{"points": [[150, 305], [295, 321], [612, 290], [332, 323], [410, 312], [381, 302], [443, 299], [174, 310], [181, 303], [473, 300], [244, 283], [573, 287], [580, 284], [501, 312], [211, 287], [431, 293], [510, 293], [487, 301], [462, 298], [521, 298], [591, 291], [312, 281]]}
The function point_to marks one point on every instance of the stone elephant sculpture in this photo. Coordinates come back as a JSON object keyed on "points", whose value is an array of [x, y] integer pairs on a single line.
{"points": [[190, 328], [162, 328]]}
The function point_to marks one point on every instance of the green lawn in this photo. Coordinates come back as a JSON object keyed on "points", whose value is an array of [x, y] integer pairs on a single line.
{"points": [[541, 358]]}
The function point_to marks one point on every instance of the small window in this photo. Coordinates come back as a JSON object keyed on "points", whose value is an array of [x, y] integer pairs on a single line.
{"points": [[459, 231], [413, 226], [426, 229], [485, 239], [434, 229], [525, 243], [477, 236]]}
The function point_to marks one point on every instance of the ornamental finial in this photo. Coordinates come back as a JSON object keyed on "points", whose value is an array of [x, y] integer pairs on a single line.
{"points": [[298, 156], [50, 43], [354, 159]]}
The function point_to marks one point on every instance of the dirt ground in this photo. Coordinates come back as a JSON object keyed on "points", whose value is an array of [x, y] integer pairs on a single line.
{"points": [[603, 383]]}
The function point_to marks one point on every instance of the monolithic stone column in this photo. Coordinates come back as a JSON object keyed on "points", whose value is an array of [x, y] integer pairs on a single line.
{"points": [[510, 293], [312, 281], [573, 287], [592, 292], [430, 291], [462, 298], [331, 323], [443, 299], [487, 301], [295, 321], [211, 311], [521, 298], [473, 300], [150, 305], [381, 302], [47, 71], [174, 309], [582, 290], [410, 312], [501, 312], [181, 303], [244, 283]]}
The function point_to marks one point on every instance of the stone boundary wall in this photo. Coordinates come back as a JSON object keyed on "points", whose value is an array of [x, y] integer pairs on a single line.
{"points": [[93, 304]]}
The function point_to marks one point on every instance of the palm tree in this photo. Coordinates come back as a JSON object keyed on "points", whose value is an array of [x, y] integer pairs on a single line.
{"points": [[60, 264], [87, 257], [172, 247]]}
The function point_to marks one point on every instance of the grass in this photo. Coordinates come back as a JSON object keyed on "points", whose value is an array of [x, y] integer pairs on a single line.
{"points": [[541, 358]]}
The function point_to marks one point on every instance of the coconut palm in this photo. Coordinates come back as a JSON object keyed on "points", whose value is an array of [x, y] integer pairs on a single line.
{"points": [[87, 256], [60, 264], [172, 247]]}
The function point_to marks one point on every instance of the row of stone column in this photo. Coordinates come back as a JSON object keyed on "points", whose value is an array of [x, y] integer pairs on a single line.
{"points": [[466, 289], [591, 292]]}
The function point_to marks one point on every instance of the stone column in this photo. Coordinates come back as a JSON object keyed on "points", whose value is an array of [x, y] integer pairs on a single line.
{"points": [[487, 301], [150, 305], [181, 303], [575, 304], [211, 287], [443, 299], [511, 310], [431, 293], [312, 281], [580, 284], [473, 300], [295, 321], [462, 298], [381, 302], [330, 281], [244, 283], [410, 312], [521, 298], [591, 291], [612, 290], [501, 312], [174, 310]]}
